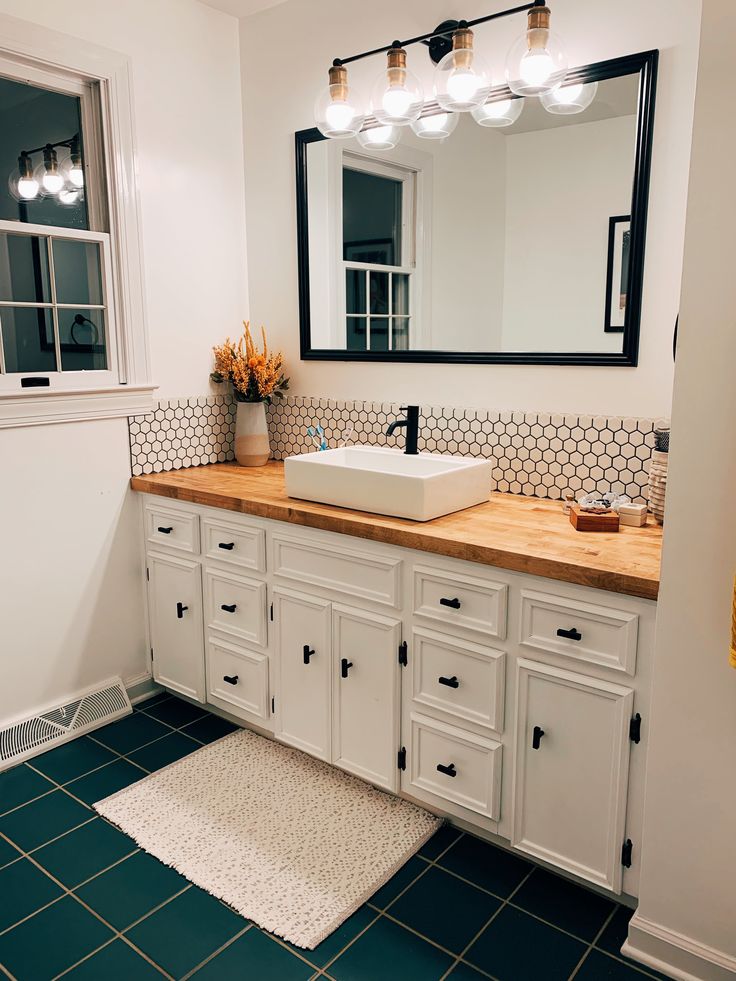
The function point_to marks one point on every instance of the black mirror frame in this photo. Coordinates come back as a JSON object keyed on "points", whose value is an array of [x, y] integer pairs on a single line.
{"points": [[645, 65]]}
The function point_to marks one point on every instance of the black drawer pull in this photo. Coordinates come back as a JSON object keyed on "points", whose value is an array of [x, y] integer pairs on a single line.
{"points": [[308, 653], [228, 546], [448, 770], [180, 610], [231, 679], [345, 666], [165, 531], [571, 634], [450, 682], [537, 733], [454, 604], [229, 607]]}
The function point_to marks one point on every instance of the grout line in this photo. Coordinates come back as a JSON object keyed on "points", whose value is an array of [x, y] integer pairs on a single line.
{"points": [[54, 786], [592, 943], [197, 967]]}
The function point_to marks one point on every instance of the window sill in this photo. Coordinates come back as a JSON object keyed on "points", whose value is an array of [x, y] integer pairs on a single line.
{"points": [[46, 408]]}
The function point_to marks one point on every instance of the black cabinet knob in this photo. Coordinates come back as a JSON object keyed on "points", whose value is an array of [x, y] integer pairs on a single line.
{"points": [[228, 546], [229, 607], [449, 682], [165, 531], [537, 733], [571, 634], [308, 652], [231, 679], [345, 666], [180, 610], [454, 604], [448, 770]]}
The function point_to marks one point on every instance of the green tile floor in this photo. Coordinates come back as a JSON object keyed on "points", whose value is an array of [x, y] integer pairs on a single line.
{"points": [[79, 900]]}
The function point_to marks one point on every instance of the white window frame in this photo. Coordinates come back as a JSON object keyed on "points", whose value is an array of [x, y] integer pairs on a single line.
{"points": [[52, 60]]}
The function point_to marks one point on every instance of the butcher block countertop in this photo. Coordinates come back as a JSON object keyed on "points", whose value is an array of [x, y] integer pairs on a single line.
{"points": [[523, 534]]}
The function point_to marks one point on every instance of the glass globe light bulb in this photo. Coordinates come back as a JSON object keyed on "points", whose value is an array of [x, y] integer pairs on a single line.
{"points": [[22, 183], [69, 195], [461, 79], [379, 137], [76, 175], [500, 113], [336, 112], [27, 188], [397, 98], [435, 127], [537, 62], [52, 182], [569, 99]]}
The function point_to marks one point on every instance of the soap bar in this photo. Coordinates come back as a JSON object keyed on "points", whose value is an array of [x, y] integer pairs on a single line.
{"points": [[590, 521], [633, 515]]}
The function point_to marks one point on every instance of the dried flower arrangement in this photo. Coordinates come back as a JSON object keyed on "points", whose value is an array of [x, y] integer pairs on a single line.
{"points": [[256, 376]]}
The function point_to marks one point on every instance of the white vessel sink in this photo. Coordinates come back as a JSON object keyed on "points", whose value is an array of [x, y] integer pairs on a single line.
{"points": [[387, 481]]}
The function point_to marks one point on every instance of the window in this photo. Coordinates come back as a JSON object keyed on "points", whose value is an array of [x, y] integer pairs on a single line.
{"points": [[378, 238], [72, 336]]}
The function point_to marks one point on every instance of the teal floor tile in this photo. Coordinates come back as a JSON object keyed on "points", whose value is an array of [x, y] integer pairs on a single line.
{"points": [[7, 853], [51, 941], [444, 909], [464, 972], [613, 937], [517, 947], [338, 940], [184, 932], [601, 967], [116, 962], [84, 852], [164, 751], [131, 733], [440, 842], [485, 865], [403, 878], [209, 728], [130, 889], [388, 952], [72, 760], [41, 820], [19, 785], [108, 780], [254, 955], [153, 700], [175, 712], [23, 890], [566, 905]]}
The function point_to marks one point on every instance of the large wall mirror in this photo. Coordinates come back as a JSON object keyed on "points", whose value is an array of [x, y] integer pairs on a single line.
{"points": [[521, 243]]}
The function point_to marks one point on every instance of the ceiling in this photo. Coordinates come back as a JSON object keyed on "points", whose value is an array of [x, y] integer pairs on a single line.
{"points": [[242, 8]]}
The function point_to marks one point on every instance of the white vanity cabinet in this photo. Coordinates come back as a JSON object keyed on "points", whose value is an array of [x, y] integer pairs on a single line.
{"points": [[512, 704]]}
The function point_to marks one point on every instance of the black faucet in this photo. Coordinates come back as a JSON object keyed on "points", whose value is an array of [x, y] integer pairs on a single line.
{"points": [[411, 424]]}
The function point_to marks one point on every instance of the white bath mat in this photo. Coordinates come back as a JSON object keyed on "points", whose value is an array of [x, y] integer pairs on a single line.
{"points": [[291, 843]]}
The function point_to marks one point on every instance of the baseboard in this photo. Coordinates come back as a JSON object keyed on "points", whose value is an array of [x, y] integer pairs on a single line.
{"points": [[676, 955], [140, 686]]}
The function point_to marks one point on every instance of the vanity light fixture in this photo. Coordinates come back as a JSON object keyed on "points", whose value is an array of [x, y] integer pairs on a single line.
{"points": [[24, 183], [537, 62], [397, 98], [569, 99], [65, 180], [380, 137], [337, 114], [462, 80], [498, 112], [435, 126], [52, 180]]}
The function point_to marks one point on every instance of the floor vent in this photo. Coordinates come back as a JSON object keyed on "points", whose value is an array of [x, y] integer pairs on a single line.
{"points": [[88, 710]]}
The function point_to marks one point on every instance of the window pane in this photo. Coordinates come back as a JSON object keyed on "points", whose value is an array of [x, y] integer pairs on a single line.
{"points": [[355, 291], [82, 338], [33, 117], [77, 272], [400, 293], [401, 334], [379, 334], [28, 339], [379, 292], [356, 333], [24, 269], [371, 208]]}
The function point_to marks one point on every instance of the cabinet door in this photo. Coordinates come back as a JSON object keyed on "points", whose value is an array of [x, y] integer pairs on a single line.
{"points": [[365, 727], [175, 604], [303, 644], [571, 771]]}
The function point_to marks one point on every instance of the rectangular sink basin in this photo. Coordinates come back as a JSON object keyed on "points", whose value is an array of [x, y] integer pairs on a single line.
{"points": [[387, 481]]}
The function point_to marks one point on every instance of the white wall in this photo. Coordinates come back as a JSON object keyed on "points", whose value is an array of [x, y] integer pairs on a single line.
{"points": [[277, 103], [688, 877], [71, 599]]}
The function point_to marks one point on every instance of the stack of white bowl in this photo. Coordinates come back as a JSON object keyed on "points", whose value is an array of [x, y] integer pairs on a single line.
{"points": [[658, 474]]}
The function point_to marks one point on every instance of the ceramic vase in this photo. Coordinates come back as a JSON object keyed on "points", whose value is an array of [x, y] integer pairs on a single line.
{"points": [[252, 446]]}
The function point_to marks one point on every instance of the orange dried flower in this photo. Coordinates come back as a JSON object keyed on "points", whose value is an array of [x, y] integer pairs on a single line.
{"points": [[255, 375]]}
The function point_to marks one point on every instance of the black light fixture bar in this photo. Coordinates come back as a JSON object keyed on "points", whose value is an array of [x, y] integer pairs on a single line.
{"points": [[67, 143], [438, 33]]}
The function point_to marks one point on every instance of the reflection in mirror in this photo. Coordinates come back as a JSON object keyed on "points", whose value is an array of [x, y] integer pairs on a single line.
{"points": [[512, 237]]}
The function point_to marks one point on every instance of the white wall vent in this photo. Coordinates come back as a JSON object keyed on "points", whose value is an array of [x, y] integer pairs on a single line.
{"points": [[89, 710]]}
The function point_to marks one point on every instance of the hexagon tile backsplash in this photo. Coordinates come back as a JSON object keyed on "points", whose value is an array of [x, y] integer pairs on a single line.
{"points": [[534, 453]]}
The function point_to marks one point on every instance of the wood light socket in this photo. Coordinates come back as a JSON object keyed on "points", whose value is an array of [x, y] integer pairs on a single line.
{"points": [[590, 521]]}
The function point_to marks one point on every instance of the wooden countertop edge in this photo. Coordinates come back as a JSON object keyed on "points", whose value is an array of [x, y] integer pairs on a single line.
{"points": [[348, 523]]}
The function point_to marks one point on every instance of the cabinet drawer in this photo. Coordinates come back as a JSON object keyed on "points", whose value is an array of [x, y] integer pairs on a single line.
{"points": [[172, 529], [597, 634], [235, 544], [343, 570], [464, 680], [236, 606], [237, 679], [471, 766], [477, 604]]}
